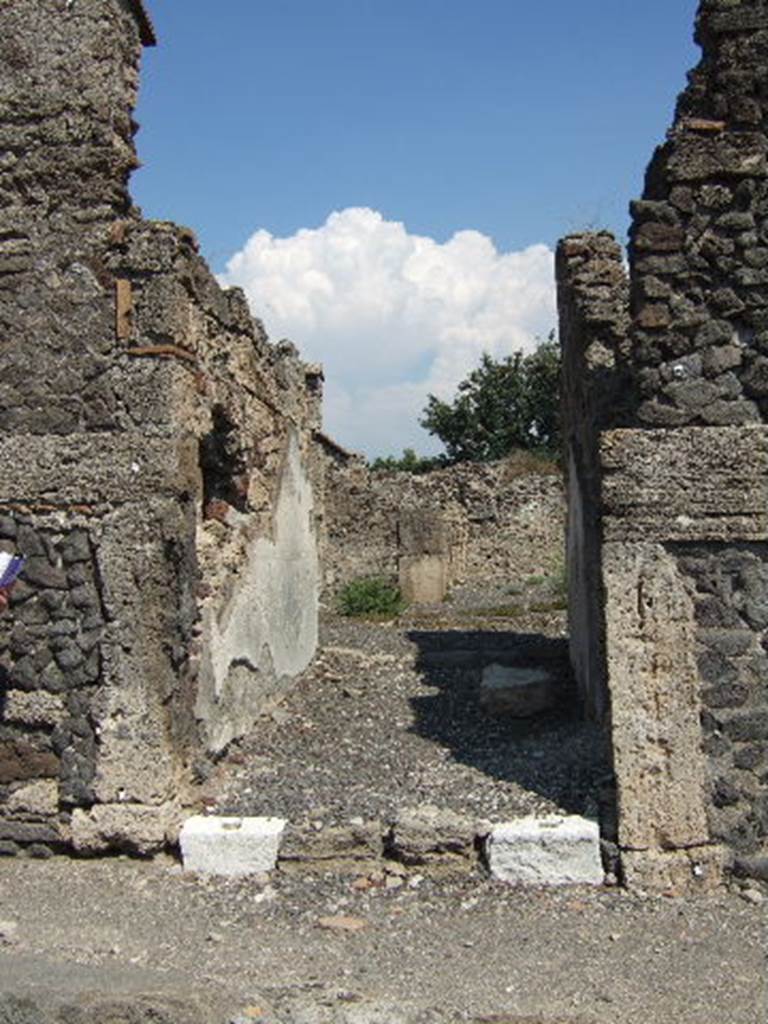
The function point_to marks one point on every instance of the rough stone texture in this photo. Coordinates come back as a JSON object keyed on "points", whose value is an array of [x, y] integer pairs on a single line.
{"points": [[487, 522], [131, 828], [674, 872], [546, 851], [230, 846], [593, 305], [689, 484], [346, 849], [519, 692], [678, 476], [156, 455], [435, 838], [37, 799], [650, 634]]}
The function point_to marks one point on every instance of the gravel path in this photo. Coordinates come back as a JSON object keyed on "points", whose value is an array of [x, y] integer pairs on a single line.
{"points": [[389, 718]]}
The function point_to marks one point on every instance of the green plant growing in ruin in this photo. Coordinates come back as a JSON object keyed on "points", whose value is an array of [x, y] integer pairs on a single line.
{"points": [[371, 596]]}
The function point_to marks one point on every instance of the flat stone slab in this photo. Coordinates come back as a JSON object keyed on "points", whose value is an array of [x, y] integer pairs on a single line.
{"points": [[546, 851], [517, 691], [212, 845]]}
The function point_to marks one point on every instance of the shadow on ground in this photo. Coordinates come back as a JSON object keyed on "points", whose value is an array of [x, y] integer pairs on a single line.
{"points": [[557, 754]]}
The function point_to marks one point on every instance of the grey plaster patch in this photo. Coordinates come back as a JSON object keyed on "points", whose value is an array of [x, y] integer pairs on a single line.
{"points": [[268, 631]]}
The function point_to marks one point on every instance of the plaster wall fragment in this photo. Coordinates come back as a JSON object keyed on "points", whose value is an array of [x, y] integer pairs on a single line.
{"points": [[267, 632]]}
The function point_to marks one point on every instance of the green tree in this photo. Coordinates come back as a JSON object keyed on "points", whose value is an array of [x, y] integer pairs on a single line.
{"points": [[409, 462], [503, 404]]}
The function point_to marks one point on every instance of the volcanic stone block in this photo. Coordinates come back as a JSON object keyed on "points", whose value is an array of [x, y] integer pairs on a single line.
{"points": [[655, 699], [344, 849], [519, 692], [230, 846], [692, 483], [675, 872], [40, 798], [134, 828], [433, 837], [34, 708], [546, 851]]}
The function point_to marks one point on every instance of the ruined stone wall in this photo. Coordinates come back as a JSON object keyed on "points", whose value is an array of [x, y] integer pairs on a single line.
{"points": [[593, 300], [485, 522], [155, 462], [683, 486]]}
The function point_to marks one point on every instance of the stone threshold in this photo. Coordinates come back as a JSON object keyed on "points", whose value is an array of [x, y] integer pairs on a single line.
{"points": [[426, 841]]}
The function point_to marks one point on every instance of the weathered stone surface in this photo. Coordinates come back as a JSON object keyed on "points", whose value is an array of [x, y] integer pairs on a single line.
{"points": [[20, 759], [137, 393], [694, 483], [500, 521], [674, 872], [270, 632], [39, 798], [30, 832], [344, 849], [655, 702], [755, 866], [424, 579], [680, 481], [132, 828], [422, 531], [593, 305], [230, 846], [139, 467], [518, 692], [546, 851], [34, 708], [433, 837]]}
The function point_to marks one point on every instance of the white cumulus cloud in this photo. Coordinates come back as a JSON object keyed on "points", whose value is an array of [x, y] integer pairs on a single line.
{"points": [[393, 316]]}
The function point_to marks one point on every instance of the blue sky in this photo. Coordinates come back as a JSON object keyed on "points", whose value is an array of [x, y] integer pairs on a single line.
{"points": [[453, 142]]}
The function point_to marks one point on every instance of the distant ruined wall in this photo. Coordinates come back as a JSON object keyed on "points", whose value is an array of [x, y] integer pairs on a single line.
{"points": [[483, 522], [155, 464], [683, 482]]}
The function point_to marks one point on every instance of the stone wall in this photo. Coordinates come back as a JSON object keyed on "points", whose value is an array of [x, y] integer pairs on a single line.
{"points": [[682, 481], [470, 523], [155, 464], [593, 300]]}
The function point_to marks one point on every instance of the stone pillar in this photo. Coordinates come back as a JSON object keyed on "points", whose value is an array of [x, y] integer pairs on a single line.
{"points": [[593, 303], [424, 555], [680, 489]]}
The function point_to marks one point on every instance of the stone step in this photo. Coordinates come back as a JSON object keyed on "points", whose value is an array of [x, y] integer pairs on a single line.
{"points": [[424, 840]]}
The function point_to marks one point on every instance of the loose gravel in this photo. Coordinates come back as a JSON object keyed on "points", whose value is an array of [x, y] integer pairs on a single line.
{"points": [[388, 718]]}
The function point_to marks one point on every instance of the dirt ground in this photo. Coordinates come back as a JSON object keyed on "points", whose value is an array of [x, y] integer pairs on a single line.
{"points": [[387, 718], [221, 951]]}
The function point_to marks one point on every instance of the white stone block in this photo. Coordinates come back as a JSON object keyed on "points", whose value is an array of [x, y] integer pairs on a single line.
{"points": [[546, 851], [213, 845]]}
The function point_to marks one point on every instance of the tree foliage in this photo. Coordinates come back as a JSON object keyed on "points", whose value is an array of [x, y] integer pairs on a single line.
{"points": [[504, 404], [409, 462]]}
